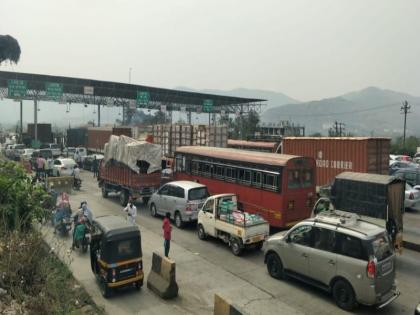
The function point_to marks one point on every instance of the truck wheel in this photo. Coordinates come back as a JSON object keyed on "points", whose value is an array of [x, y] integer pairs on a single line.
{"points": [[259, 245], [104, 191], [274, 266], [235, 246], [201, 233], [344, 295], [105, 291], [153, 211], [178, 220], [123, 197]]}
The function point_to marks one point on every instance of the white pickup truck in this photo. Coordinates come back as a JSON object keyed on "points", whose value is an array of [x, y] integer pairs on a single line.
{"points": [[220, 218]]}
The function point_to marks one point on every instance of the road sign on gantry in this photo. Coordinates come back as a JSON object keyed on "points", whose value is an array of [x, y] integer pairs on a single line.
{"points": [[54, 90], [16, 88], [207, 106], [143, 98]]}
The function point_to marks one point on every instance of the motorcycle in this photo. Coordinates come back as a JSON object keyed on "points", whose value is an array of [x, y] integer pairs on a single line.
{"points": [[77, 183], [63, 226]]}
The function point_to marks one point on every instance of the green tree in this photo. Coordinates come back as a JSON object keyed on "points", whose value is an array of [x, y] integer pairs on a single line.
{"points": [[411, 144], [245, 125], [9, 49], [20, 201]]}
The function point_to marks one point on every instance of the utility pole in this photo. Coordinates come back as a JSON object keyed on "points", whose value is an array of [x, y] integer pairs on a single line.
{"points": [[341, 129], [405, 110]]}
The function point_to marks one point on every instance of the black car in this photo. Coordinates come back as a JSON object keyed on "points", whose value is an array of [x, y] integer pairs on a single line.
{"points": [[410, 175], [88, 161], [398, 165]]}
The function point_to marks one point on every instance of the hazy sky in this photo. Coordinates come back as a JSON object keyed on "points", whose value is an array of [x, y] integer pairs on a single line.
{"points": [[305, 49]]}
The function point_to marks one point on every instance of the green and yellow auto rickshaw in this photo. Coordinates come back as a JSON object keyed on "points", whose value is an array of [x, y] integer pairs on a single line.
{"points": [[115, 254]]}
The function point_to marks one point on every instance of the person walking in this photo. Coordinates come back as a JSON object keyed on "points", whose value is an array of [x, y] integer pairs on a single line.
{"points": [[167, 233], [131, 210], [95, 167], [40, 162]]}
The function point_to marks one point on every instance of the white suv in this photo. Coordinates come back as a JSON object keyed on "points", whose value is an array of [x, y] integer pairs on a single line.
{"points": [[340, 253]]}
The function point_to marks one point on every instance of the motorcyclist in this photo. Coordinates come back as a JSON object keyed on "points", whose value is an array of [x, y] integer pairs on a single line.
{"points": [[76, 176]]}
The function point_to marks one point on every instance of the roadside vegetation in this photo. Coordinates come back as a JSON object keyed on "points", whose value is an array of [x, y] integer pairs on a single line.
{"points": [[32, 279]]}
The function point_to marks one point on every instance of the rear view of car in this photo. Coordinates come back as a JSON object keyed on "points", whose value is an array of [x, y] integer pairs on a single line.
{"points": [[182, 199]]}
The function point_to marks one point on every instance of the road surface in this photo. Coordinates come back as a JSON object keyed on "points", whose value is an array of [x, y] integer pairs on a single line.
{"points": [[208, 267]]}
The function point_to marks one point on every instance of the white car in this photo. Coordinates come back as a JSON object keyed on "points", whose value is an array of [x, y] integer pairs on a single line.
{"points": [[69, 152], [412, 197], [26, 154], [55, 148], [63, 167]]}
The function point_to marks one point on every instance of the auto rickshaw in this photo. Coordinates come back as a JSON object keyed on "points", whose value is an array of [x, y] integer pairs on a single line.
{"points": [[115, 254]]}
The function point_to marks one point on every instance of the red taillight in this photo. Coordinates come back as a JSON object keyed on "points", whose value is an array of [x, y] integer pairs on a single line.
{"points": [[188, 208], [371, 269], [411, 197]]}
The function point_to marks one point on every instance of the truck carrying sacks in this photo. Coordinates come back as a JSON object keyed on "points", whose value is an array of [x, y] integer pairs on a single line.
{"points": [[129, 152]]}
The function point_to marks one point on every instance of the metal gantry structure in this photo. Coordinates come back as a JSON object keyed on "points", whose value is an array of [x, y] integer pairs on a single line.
{"points": [[67, 90]]}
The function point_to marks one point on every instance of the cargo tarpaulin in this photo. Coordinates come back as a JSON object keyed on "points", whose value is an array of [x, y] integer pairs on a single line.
{"points": [[129, 151]]}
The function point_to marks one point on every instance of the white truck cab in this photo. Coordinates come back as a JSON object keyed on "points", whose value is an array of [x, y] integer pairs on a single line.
{"points": [[220, 218]]}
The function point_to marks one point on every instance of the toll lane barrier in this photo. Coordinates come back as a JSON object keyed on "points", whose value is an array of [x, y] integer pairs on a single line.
{"points": [[223, 307], [162, 277], [60, 184]]}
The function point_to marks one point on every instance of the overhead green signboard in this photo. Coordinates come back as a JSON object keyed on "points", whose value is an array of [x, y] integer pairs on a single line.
{"points": [[54, 90], [16, 88], [207, 106], [143, 98]]}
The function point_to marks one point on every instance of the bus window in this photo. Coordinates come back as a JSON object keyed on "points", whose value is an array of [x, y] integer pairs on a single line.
{"points": [[230, 174], [270, 182], [194, 168], [294, 179], [306, 178], [256, 179], [219, 172]]}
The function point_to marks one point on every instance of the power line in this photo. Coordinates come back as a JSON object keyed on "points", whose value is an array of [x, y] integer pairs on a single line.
{"points": [[344, 113]]}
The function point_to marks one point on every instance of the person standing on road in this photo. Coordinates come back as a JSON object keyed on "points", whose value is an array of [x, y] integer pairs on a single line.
{"points": [[167, 233], [131, 212], [95, 166], [40, 163]]}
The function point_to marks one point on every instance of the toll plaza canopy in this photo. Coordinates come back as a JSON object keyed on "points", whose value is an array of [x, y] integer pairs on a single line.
{"points": [[74, 90]]}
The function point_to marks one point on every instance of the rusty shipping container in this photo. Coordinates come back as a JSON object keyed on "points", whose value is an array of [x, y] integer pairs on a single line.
{"points": [[97, 137], [336, 155]]}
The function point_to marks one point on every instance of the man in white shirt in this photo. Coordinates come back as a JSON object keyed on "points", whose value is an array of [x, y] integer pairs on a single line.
{"points": [[131, 212]]}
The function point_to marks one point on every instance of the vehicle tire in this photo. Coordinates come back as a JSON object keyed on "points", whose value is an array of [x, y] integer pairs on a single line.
{"points": [[178, 220], [104, 191], [235, 246], [145, 200], [123, 197], [259, 246], [201, 233], [153, 211], [275, 266], [344, 295], [105, 291], [139, 284]]}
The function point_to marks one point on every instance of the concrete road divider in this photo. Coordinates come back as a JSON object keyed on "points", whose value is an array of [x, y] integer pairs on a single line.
{"points": [[162, 277], [60, 184], [223, 307]]}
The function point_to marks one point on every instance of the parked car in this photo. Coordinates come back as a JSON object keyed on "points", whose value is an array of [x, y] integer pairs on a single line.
{"points": [[63, 167], [412, 197], [88, 161], [26, 154], [410, 175], [340, 253], [69, 152], [12, 152], [82, 152], [182, 199], [55, 148], [400, 165]]}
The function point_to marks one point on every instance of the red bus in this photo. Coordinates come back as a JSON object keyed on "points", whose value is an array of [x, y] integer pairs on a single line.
{"points": [[279, 187], [261, 146]]}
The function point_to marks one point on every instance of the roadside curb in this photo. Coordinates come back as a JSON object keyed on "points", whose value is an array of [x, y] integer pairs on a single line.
{"points": [[411, 245]]}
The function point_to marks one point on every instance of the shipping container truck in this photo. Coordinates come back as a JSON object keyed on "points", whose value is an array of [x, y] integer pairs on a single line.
{"points": [[378, 199], [44, 133], [131, 168], [76, 137], [98, 136], [336, 155]]}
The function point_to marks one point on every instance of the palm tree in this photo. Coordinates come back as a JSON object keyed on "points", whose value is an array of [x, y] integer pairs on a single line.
{"points": [[9, 49]]}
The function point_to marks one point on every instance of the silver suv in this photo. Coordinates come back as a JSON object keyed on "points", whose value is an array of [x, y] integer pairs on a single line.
{"points": [[182, 199], [340, 253]]}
